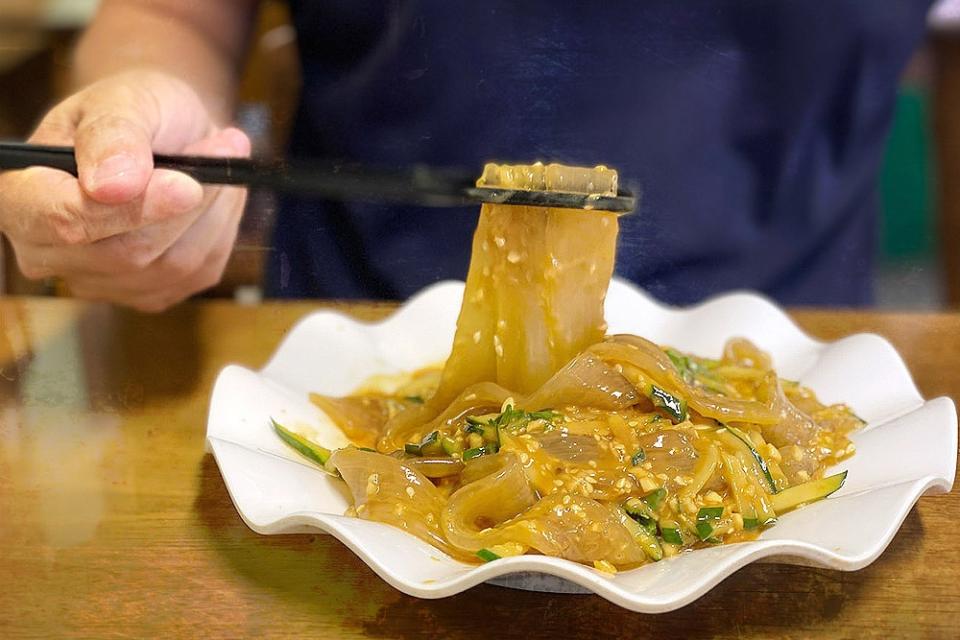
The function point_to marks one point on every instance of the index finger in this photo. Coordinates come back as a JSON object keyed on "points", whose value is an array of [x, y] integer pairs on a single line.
{"points": [[49, 207]]}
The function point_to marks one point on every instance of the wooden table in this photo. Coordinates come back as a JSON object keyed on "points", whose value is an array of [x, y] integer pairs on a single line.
{"points": [[114, 523]]}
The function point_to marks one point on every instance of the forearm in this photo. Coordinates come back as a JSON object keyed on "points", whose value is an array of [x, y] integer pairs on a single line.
{"points": [[202, 43]]}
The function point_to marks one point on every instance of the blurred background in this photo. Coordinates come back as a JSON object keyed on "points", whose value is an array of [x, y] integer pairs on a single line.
{"points": [[919, 244]]}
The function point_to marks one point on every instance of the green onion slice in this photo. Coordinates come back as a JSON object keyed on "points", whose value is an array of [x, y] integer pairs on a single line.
{"points": [[304, 447]]}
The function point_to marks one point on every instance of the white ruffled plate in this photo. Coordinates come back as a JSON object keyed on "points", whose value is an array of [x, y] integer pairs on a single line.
{"points": [[908, 447]]}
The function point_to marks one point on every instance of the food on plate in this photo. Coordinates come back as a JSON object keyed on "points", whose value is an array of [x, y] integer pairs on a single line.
{"points": [[542, 434]]}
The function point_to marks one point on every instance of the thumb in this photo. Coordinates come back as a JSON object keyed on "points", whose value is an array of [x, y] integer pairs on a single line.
{"points": [[114, 147]]}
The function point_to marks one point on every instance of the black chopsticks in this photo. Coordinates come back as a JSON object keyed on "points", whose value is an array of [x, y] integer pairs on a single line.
{"points": [[416, 185]]}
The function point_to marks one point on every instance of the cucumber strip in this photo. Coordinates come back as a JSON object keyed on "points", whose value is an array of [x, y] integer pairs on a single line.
{"points": [[491, 436], [639, 511], [450, 446], [475, 452], [682, 363], [412, 449], [697, 370], [776, 472], [646, 540], [547, 415], [304, 447], [766, 514], [650, 545], [807, 492], [779, 478], [675, 407], [488, 429], [744, 441], [754, 523], [474, 424], [430, 445], [487, 556], [738, 481]]}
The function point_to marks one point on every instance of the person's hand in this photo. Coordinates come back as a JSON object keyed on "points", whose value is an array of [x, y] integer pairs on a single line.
{"points": [[125, 232]]}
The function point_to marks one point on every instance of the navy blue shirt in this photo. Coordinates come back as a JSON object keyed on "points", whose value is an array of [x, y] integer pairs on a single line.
{"points": [[755, 127]]}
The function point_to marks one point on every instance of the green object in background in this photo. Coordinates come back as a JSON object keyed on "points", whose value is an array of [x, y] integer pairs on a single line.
{"points": [[906, 181]]}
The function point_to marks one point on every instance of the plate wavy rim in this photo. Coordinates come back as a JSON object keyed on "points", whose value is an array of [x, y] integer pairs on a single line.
{"points": [[283, 374]]}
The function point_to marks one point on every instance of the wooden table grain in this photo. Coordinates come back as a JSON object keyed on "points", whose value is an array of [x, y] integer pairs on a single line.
{"points": [[115, 523]]}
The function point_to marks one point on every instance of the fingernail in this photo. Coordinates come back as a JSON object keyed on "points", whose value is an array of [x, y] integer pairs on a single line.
{"points": [[112, 169]]}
